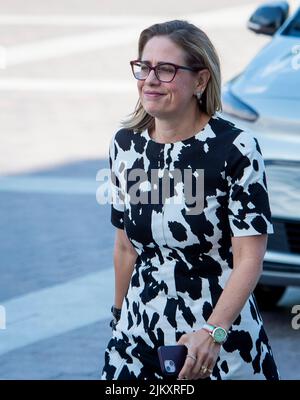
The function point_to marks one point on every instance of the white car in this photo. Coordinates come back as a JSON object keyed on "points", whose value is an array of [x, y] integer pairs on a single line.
{"points": [[265, 100]]}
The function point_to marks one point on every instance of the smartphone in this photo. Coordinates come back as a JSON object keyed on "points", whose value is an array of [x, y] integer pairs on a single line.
{"points": [[172, 358]]}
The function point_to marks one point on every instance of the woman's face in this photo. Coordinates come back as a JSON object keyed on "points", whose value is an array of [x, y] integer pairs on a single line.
{"points": [[167, 100]]}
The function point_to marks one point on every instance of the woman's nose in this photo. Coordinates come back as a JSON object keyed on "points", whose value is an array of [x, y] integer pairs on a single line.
{"points": [[152, 78]]}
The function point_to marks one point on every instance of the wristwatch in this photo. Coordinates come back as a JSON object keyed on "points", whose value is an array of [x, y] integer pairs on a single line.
{"points": [[218, 333]]}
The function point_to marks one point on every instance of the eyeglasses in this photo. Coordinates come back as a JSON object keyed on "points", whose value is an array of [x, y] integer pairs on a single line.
{"points": [[164, 72]]}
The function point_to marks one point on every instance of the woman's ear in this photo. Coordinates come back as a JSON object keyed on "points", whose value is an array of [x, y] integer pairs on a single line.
{"points": [[203, 78]]}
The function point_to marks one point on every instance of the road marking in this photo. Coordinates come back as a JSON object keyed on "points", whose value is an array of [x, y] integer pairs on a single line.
{"points": [[224, 17], [65, 307], [107, 86], [73, 20], [67, 45], [49, 185], [56, 310], [231, 17], [80, 43]]}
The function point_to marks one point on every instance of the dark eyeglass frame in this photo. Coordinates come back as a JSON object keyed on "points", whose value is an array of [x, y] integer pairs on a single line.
{"points": [[177, 67]]}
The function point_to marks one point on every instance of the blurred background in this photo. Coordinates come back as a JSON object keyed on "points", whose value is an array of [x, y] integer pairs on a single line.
{"points": [[65, 84]]}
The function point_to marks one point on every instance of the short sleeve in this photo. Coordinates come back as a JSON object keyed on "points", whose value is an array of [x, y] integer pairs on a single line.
{"points": [[117, 197], [248, 201]]}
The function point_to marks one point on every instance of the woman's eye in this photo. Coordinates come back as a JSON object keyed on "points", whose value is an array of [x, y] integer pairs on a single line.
{"points": [[166, 69]]}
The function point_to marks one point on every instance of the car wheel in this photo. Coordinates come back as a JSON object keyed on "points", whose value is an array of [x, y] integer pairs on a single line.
{"points": [[267, 297]]}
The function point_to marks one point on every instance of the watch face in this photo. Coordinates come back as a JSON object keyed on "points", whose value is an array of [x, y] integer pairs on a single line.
{"points": [[220, 335]]}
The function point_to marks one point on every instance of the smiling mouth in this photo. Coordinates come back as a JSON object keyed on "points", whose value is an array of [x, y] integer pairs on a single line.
{"points": [[153, 94]]}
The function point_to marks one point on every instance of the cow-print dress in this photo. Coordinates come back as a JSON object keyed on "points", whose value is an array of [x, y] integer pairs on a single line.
{"points": [[185, 259]]}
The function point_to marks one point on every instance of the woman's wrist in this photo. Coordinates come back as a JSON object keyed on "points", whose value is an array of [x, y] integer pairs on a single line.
{"points": [[217, 332], [219, 322], [116, 312]]}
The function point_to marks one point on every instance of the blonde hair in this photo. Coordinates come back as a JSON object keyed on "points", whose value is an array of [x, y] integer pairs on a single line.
{"points": [[199, 52]]}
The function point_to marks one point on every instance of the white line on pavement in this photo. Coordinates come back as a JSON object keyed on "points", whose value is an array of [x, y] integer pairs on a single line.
{"points": [[65, 307], [226, 15], [68, 85], [58, 47], [72, 20], [48, 185], [66, 45], [231, 17], [56, 310]]}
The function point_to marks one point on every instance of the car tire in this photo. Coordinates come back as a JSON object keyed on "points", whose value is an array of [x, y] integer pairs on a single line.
{"points": [[267, 296]]}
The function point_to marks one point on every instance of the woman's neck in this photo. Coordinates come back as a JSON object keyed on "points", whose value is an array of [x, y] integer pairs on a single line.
{"points": [[176, 129]]}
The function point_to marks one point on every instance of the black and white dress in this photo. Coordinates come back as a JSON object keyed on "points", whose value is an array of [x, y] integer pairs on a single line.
{"points": [[184, 259]]}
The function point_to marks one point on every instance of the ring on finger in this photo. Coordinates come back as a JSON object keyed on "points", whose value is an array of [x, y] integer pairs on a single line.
{"points": [[192, 357], [204, 369]]}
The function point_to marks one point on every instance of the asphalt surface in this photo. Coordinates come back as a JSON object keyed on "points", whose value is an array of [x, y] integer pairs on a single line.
{"points": [[65, 84]]}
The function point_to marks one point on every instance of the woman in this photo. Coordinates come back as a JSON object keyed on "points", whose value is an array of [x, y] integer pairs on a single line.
{"points": [[180, 276]]}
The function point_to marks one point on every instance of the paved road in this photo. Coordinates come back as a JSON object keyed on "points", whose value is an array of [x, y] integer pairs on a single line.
{"points": [[64, 85]]}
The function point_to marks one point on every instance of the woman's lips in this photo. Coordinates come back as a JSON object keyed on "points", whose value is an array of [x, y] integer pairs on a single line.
{"points": [[153, 95]]}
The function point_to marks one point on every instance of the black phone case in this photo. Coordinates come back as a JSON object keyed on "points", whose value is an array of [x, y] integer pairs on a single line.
{"points": [[172, 358]]}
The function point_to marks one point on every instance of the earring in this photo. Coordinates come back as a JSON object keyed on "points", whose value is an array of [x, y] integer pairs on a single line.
{"points": [[199, 95]]}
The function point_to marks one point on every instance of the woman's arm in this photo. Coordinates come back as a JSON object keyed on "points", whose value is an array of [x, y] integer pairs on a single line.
{"points": [[248, 254], [124, 260]]}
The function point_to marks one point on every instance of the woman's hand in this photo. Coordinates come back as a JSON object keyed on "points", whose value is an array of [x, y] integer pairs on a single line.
{"points": [[202, 355]]}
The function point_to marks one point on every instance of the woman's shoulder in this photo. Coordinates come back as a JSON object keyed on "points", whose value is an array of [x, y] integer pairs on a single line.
{"points": [[232, 135], [121, 134], [224, 127], [124, 137]]}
